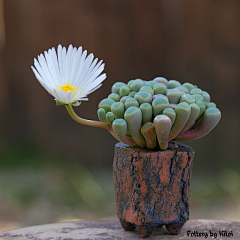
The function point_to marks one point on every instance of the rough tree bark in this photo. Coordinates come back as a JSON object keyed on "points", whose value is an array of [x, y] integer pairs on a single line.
{"points": [[152, 187]]}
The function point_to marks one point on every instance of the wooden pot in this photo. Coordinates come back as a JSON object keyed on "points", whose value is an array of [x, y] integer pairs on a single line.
{"points": [[152, 187]]}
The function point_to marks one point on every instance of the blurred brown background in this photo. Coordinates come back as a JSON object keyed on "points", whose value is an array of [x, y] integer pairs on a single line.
{"points": [[51, 168]]}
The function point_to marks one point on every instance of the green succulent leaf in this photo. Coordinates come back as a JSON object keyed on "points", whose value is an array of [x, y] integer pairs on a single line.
{"points": [[170, 113], [130, 83], [198, 97], [117, 109], [131, 102], [114, 96], [132, 94], [195, 110], [158, 105], [188, 98], [160, 96], [149, 133], [123, 99], [196, 91], [143, 97], [110, 118], [163, 126], [151, 83], [124, 91], [206, 96], [183, 89], [119, 127], [210, 119], [160, 88], [136, 85], [161, 80], [147, 89], [210, 104], [173, 105], [189, 86], [183, 111], [147, 112], [174, 95], [133, 117], [202, 107], [173, 84], [116, 87], [106, 104], [102, 115]]}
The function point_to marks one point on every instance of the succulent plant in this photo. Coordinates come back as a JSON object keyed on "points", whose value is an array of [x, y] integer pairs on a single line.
{"points": [[139, 113], [149, 114]]}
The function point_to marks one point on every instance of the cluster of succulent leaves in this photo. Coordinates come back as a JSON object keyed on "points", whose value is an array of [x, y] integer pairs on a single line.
{"points": [[152, 113]]}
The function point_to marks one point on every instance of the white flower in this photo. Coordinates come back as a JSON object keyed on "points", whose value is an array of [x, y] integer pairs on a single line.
{"points": [[69, 75]]}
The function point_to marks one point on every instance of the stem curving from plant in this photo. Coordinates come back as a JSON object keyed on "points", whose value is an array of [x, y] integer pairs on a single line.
{"points": [[85, 121]]}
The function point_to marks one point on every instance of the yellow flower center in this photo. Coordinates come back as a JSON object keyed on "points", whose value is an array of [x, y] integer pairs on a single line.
{"points": [[68, 87]]}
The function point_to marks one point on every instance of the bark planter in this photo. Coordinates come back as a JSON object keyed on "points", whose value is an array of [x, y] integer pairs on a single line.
{"points": [[152, 187]]}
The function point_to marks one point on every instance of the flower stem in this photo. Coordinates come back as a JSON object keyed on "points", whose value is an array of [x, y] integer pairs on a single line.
{"points": [[85, 121]]}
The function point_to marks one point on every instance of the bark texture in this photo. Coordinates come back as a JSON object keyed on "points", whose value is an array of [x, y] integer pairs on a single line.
{"points": [[152, 187]]}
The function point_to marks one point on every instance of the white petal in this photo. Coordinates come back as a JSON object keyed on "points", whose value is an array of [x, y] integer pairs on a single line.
{"points": [[69, 63], [69, 96], [55, 63], [60, 64], [64, 55], [63, 96], [80, 68], [94, 73], [91, 68], [93, 79], [57, 95], [73, 67], [51, 67], [38, 76], [76, 68], [43, 64], [41, 81], [97, 81], [42, 73], [87, 64]]}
